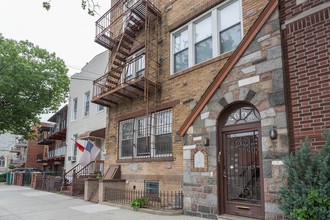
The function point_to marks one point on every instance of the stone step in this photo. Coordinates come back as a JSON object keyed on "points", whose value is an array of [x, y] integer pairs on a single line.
{"points": [[233, 217]]}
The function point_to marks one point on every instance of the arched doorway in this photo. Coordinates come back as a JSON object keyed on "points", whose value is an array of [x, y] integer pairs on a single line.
{"points": [[240, 162]]}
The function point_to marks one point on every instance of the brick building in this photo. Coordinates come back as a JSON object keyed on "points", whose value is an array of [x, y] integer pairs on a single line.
{"points": [[198, 99], [306, 36]]}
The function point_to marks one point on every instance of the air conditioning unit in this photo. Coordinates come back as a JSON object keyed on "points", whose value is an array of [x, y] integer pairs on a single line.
{"points": [[72, 158]]}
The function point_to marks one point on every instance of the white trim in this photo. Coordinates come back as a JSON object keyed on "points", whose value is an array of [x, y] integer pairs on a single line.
{"points": [[215, 18]]}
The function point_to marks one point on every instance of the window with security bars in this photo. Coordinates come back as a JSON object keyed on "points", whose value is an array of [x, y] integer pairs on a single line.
{"points": [[145, 137]]}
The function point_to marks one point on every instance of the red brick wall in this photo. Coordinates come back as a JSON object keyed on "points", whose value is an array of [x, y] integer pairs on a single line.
{"points": [[33, 150], [307, 67]]}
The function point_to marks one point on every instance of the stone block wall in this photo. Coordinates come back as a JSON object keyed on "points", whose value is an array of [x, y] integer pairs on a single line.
{"points": [[306, 31]]}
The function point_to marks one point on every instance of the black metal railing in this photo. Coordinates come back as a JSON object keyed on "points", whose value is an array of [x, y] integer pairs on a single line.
{"points": [[162, 200]]}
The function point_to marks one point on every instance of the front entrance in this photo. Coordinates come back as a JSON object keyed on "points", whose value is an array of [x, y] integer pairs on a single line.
{"points": [[241, 182]]}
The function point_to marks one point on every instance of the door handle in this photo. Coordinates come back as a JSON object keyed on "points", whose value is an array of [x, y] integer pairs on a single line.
{"points": [[224, 173]]}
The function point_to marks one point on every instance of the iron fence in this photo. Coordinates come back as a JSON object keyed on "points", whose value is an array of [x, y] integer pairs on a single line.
{"points": [[165, 200]]}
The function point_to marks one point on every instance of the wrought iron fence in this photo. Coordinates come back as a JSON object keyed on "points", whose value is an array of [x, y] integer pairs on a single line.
{"points": [[165, 200]]}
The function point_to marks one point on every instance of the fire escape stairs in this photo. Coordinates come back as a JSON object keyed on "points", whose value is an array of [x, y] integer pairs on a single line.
{"points": [[132, 25]]}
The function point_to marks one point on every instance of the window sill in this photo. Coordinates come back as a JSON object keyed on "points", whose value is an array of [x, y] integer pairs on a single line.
{"points": [[203, 64], [150, 159]]}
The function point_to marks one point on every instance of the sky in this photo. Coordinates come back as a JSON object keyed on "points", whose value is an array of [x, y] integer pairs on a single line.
{"points": [[65, 29]]}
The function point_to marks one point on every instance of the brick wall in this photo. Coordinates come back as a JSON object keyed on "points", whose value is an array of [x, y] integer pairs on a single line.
{"points": [[306, 33], [186, 87], [33, 150]]}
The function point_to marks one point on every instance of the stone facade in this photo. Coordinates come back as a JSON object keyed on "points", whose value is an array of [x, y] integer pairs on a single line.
{"points": [[257, 79]]}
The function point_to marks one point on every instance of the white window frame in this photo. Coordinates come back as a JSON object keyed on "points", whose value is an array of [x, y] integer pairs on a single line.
{"points": [[215, 17], [74, 110], [87, 104], [100, 108], [74, 146], [162, 128], [134, 66]]}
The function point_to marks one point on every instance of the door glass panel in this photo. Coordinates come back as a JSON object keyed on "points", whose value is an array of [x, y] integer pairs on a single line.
{"points": [[242, 167]]}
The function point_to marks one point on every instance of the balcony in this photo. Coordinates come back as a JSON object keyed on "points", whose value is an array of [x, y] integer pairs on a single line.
{"points": [[21, 143], [18, 160], [41, 158], [57, 154], [15, 150], [44, 139], [132, 83]]}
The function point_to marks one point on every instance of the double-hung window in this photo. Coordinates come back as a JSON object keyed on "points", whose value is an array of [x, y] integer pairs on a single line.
{"points": [[135, 67], [145, 137], [215, 32], [203, 39], [100, 108], [74, 109], [181, 50], [86, 103]]}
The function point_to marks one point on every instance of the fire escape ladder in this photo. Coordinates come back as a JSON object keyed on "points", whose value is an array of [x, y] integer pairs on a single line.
{"points": [[131, 26]]}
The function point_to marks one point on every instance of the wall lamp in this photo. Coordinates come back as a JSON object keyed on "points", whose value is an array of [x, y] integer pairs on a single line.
{"points": [[273, 133]]}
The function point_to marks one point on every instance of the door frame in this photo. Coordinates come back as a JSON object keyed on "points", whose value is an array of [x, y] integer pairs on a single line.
{"points": [[221, 130]]}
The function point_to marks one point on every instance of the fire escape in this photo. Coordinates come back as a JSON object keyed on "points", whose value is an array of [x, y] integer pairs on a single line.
{"points": [[128, 24]]}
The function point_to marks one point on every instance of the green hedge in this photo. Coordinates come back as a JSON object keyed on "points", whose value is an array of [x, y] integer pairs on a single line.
{"points": [[3, 177]]}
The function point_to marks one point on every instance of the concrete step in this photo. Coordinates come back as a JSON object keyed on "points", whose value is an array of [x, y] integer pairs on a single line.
{"points": [[233, 217]]}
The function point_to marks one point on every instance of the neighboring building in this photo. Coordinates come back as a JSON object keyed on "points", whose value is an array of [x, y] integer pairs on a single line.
{"points": [[7, 142], [306, 36], [12, 151], [210, 99], [86, 121], [52, 137]]}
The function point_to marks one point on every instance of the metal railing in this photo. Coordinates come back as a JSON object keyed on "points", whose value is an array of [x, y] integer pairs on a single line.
{"points": [[111, 22], [129, 73], [163, 200], [58, 152]]}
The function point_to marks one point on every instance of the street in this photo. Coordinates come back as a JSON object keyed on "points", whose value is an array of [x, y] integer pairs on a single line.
{"points": [[25, 203]]}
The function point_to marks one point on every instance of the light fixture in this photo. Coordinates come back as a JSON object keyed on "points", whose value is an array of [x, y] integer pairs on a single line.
{"points": [[273, 133]]}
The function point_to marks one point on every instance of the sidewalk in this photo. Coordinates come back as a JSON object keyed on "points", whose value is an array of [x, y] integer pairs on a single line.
{"points": [[24, 203]]}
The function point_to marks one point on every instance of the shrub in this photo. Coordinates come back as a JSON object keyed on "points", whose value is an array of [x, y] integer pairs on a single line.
{"points": [[305, 193], [139, 202], [3, 177]]}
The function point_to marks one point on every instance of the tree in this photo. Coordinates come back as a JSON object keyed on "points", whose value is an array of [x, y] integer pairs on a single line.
{"points": [[88, 5], [32, 82]]}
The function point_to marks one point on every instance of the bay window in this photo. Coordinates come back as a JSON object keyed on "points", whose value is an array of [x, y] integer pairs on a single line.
{"points": [[215, 32], [146, 137]]}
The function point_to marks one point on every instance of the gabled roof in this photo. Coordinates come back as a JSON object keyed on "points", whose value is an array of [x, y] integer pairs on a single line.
{"points": [[233, 59]]}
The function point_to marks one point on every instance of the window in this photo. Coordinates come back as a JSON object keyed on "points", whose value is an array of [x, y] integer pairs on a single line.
{"points": [[135, 67], [144, 137], [2, 161], [203, 40], [86, 103], [151, 187], [74, 109], [181, 51], [230, 27], [215, 32], [100, 108], [75, 137]]}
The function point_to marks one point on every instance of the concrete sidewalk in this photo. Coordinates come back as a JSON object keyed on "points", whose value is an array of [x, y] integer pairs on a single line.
{"points": [[24, 203]]}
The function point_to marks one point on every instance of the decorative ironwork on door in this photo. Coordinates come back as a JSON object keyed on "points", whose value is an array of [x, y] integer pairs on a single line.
{"points": [[242, 167]]}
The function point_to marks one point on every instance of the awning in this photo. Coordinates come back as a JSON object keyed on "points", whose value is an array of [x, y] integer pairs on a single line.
{"points": [[99, 134]]}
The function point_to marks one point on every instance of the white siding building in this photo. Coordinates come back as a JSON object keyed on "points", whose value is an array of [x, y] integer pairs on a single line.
{"points": [[86, 120]]}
